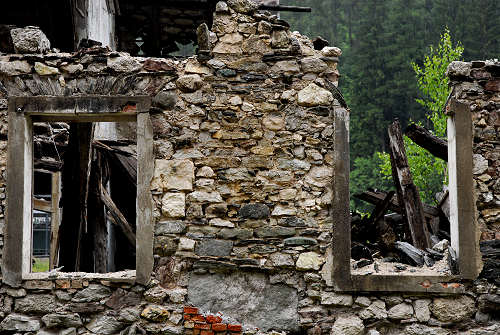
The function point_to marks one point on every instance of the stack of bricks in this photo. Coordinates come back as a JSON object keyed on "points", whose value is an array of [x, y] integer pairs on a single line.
{"points": [[196, 323]]}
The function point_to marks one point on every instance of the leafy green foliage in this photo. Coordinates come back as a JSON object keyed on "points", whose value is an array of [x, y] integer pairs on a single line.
{"points": [[366, 175], [429, 172]]}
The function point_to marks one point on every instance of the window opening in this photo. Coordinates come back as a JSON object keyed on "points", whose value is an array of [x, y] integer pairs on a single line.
{"points": [[95, 201]]}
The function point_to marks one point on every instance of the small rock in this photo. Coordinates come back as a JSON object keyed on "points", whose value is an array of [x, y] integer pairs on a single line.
{"points": [[221, 223], [400, 311], [186, 244], [336, 299], [173, 205], [453, 309], [421, 307], [347, 325], [29, 40], [189, 83], [155, 313], [213, 247], [124, 64], [170, 227], [254, 211], [309, 261], [19, 323], [45, 70], [313, 95], [331, 52], [62, 320]]}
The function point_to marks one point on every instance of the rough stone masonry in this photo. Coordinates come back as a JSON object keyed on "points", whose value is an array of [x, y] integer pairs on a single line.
{"points": [[242, 188]]}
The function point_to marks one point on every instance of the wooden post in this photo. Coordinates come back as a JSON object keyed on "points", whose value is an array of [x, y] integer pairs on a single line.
{"points": [[408, 196], [55, 219]]}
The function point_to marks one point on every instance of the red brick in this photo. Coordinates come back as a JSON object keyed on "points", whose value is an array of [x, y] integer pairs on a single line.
{"points": [[188, 317], [198, 318], [207, 332], [234, 328], [190, 310], [203, 326], [196, 332], [235, 333], [213, 319], [219, 327]]}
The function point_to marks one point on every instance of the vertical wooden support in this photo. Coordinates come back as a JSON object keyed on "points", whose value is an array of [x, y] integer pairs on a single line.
{"points": [[463, 226], [17, 252], [341, 272], [55, 219], [408, 196], [144, 220]]}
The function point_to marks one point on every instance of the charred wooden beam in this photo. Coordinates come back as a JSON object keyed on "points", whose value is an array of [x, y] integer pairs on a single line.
{"points": [[380, 209], [430, 142], [415, 255], [407, 192], [285, 8], [116, 216]]}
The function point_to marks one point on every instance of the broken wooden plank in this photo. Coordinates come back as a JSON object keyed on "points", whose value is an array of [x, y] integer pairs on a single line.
{"points": [[46, 164], [406, 190], [430, 142], [375, 197], [116, 216], [380, 209]]}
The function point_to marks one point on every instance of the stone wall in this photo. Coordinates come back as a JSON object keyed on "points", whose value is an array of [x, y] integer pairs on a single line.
{"points": [[477, 85], [243, 190]]}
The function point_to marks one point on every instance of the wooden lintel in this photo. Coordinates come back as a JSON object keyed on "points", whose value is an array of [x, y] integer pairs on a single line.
{"points": [[88, 105]]}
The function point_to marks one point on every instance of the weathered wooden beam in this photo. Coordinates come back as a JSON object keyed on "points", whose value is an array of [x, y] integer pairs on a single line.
{"points": [[46, 164], [116, 216], [430, 142], [55, 219], [407, 192], [285, 8]]}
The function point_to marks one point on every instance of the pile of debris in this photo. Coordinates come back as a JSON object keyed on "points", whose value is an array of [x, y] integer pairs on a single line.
{"points": [[414, 233]]}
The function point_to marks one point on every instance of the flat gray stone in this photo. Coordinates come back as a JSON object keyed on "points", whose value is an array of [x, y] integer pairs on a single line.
{"points": [[170, 227], [254, 211], [39, 303], [213, 247], [62, 320], [274, 231], [16, 322], [247, 298], [299, 240], [92, 293]]}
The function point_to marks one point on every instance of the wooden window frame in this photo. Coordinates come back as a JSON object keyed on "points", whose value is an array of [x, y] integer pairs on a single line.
{"points": [[22, 112], [463, 222]]}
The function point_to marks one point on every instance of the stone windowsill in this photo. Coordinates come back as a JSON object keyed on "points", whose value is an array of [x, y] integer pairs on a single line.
{"points": [[120, 276]]}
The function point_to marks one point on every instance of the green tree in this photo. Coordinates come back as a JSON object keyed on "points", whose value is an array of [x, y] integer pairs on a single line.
{"points": [[429, 172], [365, 175]]}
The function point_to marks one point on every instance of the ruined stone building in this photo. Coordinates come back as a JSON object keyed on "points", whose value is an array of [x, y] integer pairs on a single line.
{"points": [[208, 195]]}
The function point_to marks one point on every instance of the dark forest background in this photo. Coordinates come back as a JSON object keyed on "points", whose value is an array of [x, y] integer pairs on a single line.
{"points": [[379, 40]]}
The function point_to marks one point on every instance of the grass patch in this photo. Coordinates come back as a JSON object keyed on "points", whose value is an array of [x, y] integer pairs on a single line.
{"points": [[40, 265]]}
